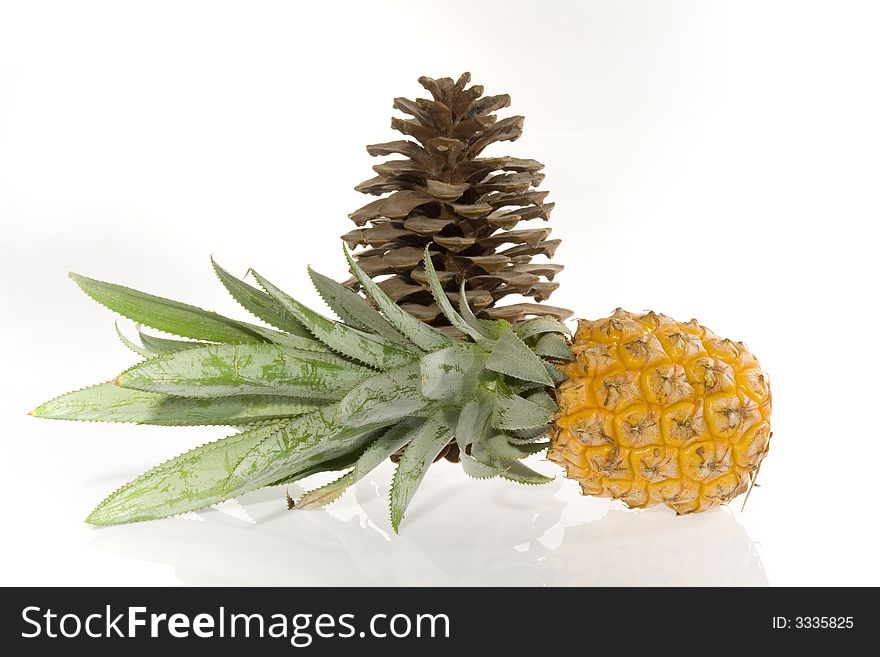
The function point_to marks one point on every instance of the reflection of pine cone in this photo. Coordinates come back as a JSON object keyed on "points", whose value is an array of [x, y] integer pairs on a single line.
{"points": [[465, 206]]}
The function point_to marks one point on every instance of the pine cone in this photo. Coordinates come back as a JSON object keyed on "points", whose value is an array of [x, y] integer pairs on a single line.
{"points": [[463, 205]]}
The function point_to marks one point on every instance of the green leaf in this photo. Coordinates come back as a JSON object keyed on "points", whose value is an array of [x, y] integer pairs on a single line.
{"points": [[136, 348], [511, 356], [511, 470], [553, 345], [107, 402], [188, 482], [259, 303], [344, 462], [306, 442], [166, 315], [384, 397], [512, 412], [353, 309], [443, 302], [468, 315], [375, 351], [541, 398], [263, 369], [158, 346], [473, 421], [425, 337], [523, 474], [451, 375], [528, 437], [427, 443], [326, 494], [538, 325], [295, 341], [381, 450], [554, 373], [474, 468], [499, 446], [377, 452], [496, 327]]}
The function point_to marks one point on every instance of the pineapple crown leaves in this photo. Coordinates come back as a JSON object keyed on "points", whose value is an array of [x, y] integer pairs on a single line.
{"points": [[316, 394]]}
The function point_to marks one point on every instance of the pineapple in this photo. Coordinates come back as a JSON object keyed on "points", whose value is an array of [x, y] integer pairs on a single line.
{"points": [[657, 411], [639, 408]]}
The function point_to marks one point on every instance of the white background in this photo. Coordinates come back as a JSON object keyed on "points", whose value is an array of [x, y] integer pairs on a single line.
{"points": [[717, 159]]}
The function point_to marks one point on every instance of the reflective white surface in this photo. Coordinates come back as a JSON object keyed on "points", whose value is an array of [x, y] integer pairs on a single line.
{"points": [[458, 533]]}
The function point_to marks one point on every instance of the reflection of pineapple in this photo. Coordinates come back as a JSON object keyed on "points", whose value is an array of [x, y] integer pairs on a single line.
{"points": [[649, 411], [642, 549]]}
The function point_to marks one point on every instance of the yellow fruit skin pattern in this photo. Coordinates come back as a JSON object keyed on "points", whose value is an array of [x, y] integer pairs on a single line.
{"points": [[657, 411]]}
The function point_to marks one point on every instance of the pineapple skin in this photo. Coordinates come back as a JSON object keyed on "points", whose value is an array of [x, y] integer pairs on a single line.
{"points": [[655, 411]]}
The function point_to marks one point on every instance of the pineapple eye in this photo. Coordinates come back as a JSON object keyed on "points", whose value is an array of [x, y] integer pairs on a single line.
{"points": [[732, 415], [592, 431], [654, 465], [720, 462], [612, 389], [685, 427], [637, 347]]}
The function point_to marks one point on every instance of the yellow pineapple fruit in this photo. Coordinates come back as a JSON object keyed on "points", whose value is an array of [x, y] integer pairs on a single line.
{"points": [[657, 411]]}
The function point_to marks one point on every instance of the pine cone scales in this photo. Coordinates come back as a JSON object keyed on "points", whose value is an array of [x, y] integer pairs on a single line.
{"points": [[442, 193]]}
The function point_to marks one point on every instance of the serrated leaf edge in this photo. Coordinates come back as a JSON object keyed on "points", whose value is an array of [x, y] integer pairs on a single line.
{"points": [[216, 443]]}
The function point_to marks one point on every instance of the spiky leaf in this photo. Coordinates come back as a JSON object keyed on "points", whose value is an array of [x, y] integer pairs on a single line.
{"points": [[326, 494], [539, 325], [431, 437], [527, 437], [352, 308], [258, 303], [553, 345], [523, 474], [512, 356], [500, 446], [512, 412], [510, 469], [377, 452], [389, 443], [473, 421], [159, 346], [541, 398], [166, 315], [294, 341], [107, 402], [344, 462], [555, 373], [384, 397], [496, 327], [136, 348], [467, 314], [372, 350], [267, 369], [451, 375], [423, 336], [304, 443], [474, 468], [188, 482], [443, 302]]}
